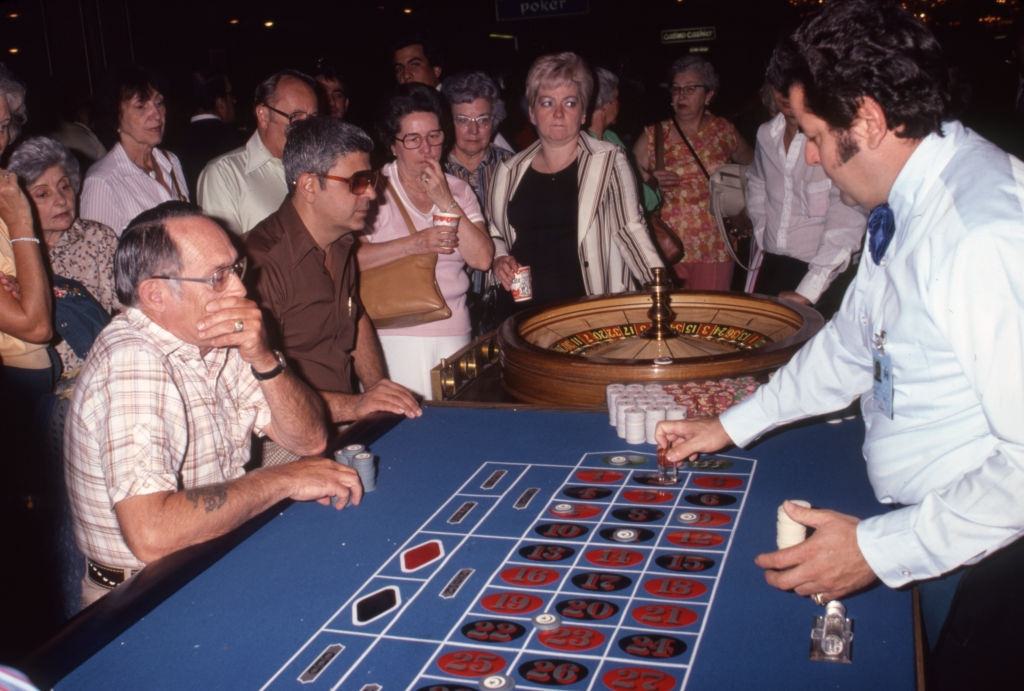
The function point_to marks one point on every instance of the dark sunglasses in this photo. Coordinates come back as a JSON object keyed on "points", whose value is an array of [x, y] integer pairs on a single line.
{"points": [[360, 181]]}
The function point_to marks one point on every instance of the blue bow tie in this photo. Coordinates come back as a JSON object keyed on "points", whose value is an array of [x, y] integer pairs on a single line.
{"points": [[881, 226]]}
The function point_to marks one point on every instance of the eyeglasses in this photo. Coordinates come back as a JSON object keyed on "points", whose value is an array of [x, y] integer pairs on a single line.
{"points": [[292, 118], [414, 140], [360, 181], [464, 121], [218, 280], [687, 89]]}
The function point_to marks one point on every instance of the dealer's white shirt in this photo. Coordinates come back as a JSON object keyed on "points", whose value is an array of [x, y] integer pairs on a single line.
{"points": [[949, 295]]}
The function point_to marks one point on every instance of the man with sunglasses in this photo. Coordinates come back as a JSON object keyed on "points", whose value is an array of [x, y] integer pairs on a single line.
{"points": [[159, 428], [306, 275], [246, 185]]}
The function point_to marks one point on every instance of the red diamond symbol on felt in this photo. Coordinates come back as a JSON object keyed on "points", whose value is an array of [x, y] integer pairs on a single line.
{"points": [[415, 558]]}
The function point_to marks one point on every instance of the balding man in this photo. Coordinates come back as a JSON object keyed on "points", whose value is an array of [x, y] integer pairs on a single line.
{"points": [[159, 428], [246, 185]]}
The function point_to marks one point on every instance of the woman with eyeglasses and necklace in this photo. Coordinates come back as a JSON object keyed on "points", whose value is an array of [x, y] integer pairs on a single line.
{"points": [[684, 186], [136, 174], [417, 189], [567, 206]]}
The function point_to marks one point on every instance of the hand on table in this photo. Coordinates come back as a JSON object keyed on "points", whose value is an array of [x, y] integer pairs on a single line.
{"points": [[219, 329], [684, 439], [389, 397], [829, 562], [319, 479], [793, 296], [505, 269]]}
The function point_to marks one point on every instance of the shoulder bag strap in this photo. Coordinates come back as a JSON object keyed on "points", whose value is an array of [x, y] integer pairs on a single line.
{"points": [[692, 150], [174, 178], [401, 208], [659, 147]]}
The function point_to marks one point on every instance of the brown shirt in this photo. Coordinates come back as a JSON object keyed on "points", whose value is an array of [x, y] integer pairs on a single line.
{"points": [[310, 313]]}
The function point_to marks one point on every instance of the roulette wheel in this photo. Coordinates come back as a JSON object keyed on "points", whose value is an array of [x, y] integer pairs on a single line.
{"points": [[567, 353]]}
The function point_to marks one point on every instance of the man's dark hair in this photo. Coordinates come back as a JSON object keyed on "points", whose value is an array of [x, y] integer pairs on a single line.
{"points": [[328, 72], [207, 87], [146, 249], [430, 49], [407, 99], [264, 93], [314, 145], [858, 48]]}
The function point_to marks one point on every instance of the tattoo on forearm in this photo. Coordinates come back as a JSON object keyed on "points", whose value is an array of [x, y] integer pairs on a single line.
{"points": [[212, 496]]}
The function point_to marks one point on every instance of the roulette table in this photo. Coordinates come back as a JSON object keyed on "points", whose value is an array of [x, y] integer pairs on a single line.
{"points": [[483, 519]]}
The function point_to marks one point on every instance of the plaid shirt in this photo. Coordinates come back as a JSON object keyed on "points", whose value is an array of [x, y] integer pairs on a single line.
{"points": [[149, 414], [479, 179]]}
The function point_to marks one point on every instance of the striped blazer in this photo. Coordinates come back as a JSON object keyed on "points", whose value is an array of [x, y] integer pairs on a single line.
{"points": [[615, 248]]}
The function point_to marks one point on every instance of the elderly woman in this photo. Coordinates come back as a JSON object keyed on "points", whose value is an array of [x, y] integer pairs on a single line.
{"points": [[477, 110], [136, 174], [567, 205], [80, 250], [684, 180], [26, 370], [418, 188]]}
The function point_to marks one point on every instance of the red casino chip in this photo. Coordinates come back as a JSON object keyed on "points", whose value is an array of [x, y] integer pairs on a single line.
{"points": [[471, 663], [571, 638], [718, 482], [647, 496], [675, 587], [529, 576], [614, 557], [511, 603], [600, 477], [638, 679], [664, 616], [695, 538]]}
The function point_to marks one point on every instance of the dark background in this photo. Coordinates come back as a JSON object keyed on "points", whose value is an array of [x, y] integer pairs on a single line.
{"points": [[64, 49]]}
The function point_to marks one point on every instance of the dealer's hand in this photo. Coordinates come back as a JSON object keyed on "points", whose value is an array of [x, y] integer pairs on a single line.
{"points": [[829, 562], [505, 269], [235, 321], [684, 439]]}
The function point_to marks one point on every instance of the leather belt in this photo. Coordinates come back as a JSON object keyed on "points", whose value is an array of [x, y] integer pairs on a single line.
{"points": [[108, 577]]}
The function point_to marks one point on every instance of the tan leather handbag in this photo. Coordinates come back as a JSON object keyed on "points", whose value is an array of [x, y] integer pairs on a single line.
{"points": [[403, 292]]}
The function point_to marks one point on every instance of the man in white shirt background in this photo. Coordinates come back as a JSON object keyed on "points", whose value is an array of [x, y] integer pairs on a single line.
{"points": [[246, 185], [935, 310], [805, 237]]}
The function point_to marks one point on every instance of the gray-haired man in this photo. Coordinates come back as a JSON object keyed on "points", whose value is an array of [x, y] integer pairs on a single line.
{"points": [[306, 275]]}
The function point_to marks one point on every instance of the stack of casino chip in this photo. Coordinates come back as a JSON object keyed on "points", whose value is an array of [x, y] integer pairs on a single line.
{"points": [[365, 464], [613, 391], [787, 531], [653, 414], [635, 424], [703, 398]]}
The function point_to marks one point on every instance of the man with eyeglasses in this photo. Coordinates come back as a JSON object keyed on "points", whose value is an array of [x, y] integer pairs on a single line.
{"points": [[159, 428], [307, 279], [246, 185]]}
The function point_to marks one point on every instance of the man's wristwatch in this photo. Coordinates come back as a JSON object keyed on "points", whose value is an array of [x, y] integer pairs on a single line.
{"points": [[281, 364]]}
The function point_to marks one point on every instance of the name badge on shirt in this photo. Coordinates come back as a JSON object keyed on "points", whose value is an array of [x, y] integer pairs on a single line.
{"points": [[882, 388]]}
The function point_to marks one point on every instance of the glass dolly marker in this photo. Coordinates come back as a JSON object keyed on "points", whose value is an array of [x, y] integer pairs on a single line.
{"points": [[668, 472]]}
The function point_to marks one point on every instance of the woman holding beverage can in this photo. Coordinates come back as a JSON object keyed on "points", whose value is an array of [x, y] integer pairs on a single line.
{"points": [[446, 216], [566, 208]]}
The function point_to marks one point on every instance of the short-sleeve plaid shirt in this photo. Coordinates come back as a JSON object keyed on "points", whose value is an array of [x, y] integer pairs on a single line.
{"points": [[149, 414]]}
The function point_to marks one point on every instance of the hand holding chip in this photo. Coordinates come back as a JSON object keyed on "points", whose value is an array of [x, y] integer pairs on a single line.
{"points": [[829, 562], [319, 479]]}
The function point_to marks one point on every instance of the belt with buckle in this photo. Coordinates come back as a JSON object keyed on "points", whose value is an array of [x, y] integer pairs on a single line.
{"points": [[108, 577]]}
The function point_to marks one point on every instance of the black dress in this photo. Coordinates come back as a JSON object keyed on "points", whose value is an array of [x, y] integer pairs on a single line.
{"points": [[543, 212]]}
